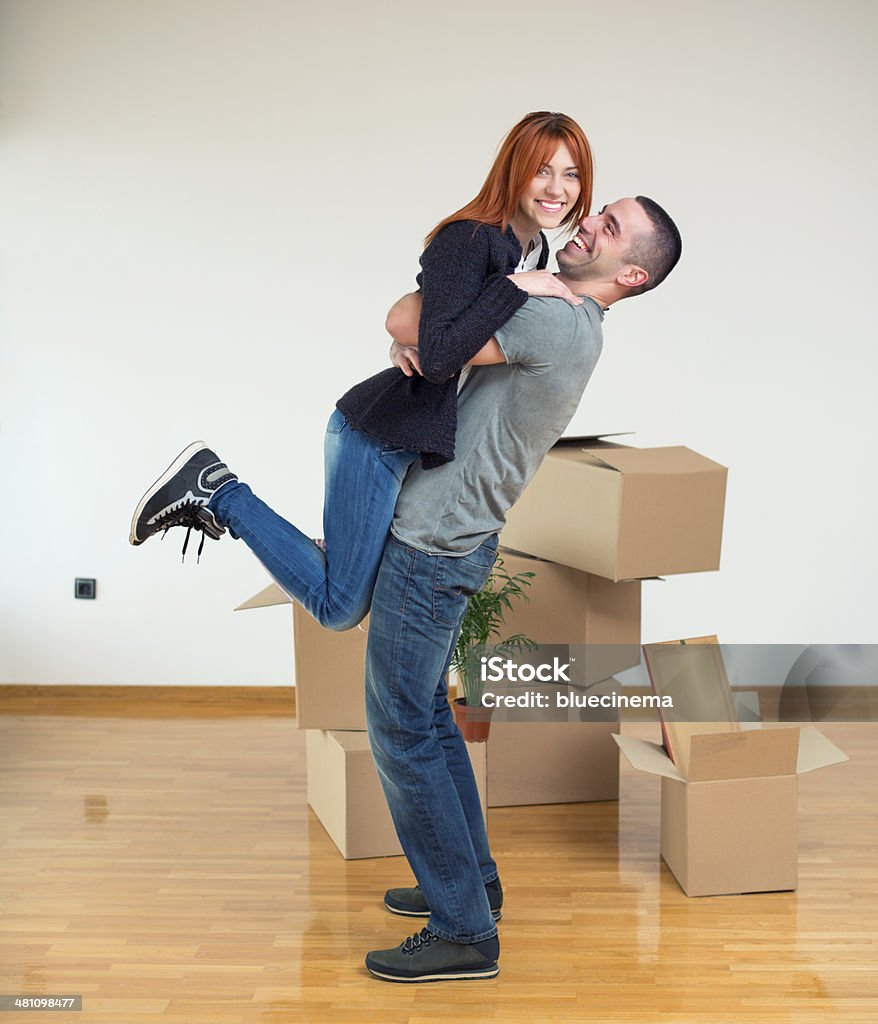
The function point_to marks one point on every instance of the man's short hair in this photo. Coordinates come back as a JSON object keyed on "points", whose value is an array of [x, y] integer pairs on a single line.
{"points": [[658, 251]]}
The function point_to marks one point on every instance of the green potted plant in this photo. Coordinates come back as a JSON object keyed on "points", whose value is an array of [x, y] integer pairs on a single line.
{"points": [[485, 614]]}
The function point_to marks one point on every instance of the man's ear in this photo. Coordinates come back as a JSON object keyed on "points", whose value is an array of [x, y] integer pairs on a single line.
{"points": [[632, 276]]}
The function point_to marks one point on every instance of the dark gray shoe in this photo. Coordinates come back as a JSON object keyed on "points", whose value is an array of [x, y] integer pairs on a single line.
{"points": [[412, 902], [426, 957], [180, 495]]}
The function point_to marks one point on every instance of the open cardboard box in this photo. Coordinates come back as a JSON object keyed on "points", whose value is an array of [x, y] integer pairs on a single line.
{"points": [[621, 512], [330, 667], [731, 825]]}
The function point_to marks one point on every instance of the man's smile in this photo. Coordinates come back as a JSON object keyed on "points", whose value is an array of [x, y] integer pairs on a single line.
{"points": [[579, 241]]}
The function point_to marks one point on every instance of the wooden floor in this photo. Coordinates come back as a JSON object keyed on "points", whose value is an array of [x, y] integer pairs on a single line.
{"points": [[157, 856]]}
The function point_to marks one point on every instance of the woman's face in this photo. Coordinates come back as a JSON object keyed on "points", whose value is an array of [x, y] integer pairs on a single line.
{"points": [[547, 199]]}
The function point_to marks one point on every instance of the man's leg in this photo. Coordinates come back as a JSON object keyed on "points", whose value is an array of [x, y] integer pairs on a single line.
{"points": [[409, 902], [461, 771], [418, 604]]}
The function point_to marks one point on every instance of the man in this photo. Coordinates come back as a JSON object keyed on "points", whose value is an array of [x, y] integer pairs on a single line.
{"points": [[519, 396], [516, 402]]}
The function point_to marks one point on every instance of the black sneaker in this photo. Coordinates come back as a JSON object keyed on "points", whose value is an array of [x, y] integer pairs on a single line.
{"points": [[426, 957], [413, 903], [180, 495]]}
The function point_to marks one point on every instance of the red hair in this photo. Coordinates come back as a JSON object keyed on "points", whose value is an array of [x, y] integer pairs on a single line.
{"points": [[530, 145]]}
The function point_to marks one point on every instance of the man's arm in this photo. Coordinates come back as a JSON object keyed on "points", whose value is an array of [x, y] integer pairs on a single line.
{"points": [[491, 353], [402, 319]]}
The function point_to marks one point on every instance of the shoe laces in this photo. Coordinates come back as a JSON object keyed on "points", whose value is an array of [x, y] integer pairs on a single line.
{"points": [[420, 940], [186, 515]]}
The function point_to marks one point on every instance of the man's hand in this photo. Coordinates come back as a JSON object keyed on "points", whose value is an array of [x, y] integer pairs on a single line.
{"points": [[406, 358]]}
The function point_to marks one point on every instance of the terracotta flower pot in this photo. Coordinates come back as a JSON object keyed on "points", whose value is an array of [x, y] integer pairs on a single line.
{"points": [[473, 722]]}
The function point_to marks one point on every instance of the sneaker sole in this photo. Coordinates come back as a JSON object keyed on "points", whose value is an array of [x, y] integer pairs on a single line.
{"points": [[496, 914], [174, 467], [470, 975]]}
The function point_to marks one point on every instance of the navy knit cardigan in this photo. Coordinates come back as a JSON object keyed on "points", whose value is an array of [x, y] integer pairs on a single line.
{"points": [[466, 296]]}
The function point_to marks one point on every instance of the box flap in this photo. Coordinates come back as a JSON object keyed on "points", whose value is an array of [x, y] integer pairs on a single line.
{"points": [[747, 706], [515, 553], [351, 741], [656, 460], [647, 757], [749, 754], [590, 455], [578, 440], [266, 598], [816, 751]]}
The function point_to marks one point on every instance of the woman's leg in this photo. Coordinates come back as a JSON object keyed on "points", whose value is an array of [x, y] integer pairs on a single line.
{"points": [[363, 478]]}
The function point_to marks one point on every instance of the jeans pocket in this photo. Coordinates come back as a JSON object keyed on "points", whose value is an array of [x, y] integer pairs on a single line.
{"points": [[483, 557], [457, 579]]}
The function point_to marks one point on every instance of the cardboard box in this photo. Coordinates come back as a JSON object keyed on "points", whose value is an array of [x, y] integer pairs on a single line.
{"points": [[346, 795], [566, 606], [551, 763], [622, 513], [330, 667], [730, 826]]}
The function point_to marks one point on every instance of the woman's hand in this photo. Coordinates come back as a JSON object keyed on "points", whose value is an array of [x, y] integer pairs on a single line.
{"points": [[542, 282], [406, 358]]}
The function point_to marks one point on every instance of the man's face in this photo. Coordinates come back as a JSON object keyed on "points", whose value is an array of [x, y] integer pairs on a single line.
{"points": [[601, 243]]}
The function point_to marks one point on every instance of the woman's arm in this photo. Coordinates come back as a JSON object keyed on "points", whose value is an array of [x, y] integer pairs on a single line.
{"points": [[405, 357], [402, 326], [463, 303], [404, 315], [464, 298]]}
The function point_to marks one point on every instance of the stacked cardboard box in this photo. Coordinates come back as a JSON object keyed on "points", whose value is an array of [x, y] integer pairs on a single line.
{"points": [[345, 794], [343, 788], [620, 512], [601, 517], [553, 762]]}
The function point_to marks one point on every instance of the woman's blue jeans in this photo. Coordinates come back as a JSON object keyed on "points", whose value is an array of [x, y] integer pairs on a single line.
{"points": [[417, 608], [362, 482]]}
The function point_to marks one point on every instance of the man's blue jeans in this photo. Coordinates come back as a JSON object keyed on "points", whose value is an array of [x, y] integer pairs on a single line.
{"points": [[417, 608], [362, 482]]}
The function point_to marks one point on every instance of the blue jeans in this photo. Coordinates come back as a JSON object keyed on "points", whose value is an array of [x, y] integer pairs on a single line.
{"points": [[417, 608], [362, 482]]}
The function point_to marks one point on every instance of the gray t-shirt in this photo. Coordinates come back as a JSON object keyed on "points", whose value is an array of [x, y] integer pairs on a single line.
{"points": [[509, 416]]}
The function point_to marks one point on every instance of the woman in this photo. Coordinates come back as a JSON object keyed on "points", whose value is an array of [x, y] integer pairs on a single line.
{"points": [[478, 267]]}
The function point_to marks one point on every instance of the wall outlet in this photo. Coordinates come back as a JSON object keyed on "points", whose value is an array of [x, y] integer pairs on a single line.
{"points": [[85, 588]]}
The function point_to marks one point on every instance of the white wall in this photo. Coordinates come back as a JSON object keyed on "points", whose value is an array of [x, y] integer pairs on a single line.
{"points": [[208, 206]]}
